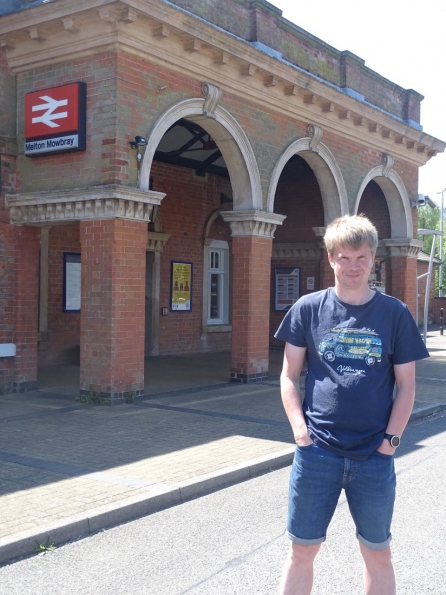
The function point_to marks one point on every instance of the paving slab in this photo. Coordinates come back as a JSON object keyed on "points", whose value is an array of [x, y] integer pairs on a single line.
{"points": [[68, 469]]}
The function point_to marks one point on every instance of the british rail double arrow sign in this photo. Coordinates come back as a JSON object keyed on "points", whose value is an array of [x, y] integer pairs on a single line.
{"points": [[55, 120]]}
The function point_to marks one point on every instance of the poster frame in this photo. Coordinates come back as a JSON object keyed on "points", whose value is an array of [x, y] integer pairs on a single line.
{"points": [[187, 266]]}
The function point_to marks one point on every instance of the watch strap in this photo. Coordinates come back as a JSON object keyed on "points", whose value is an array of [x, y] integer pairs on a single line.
{"points": [[390, 438]]}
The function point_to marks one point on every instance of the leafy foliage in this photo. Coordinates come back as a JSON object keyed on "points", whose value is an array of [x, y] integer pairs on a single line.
{"points": [[429, 218]]}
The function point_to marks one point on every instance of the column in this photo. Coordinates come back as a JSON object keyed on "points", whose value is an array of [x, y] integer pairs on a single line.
{"points": [[112, 307], [43, 287], [401, 282], [252, 235], [26, 307], [155, 245]]}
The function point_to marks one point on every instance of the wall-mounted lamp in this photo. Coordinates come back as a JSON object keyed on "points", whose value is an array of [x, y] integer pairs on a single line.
{"points": [[139, 141]]}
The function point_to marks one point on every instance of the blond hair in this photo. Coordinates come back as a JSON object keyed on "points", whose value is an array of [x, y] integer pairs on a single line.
{"points": [[351, 230]]}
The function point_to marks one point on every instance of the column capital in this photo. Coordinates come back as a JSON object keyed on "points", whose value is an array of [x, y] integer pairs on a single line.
{"points": [[252, 223], [406, 247], [156, 241], [319, 232]]}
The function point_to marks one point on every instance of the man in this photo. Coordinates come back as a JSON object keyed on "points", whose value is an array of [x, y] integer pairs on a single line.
{"points": [[359, 345]]}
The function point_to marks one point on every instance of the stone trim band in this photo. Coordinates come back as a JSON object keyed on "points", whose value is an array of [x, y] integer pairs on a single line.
{"points": [[98, 202]]}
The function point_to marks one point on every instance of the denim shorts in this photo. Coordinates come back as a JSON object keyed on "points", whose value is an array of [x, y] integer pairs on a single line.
{"points": [[317, 479]]}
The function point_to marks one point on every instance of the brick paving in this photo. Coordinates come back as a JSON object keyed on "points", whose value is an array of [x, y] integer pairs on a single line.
{"points": [[68, 469]]}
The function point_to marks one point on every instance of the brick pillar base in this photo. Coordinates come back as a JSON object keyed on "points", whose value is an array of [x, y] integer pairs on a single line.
{"points": [[26, 307], [112, 308], [250, 307]]}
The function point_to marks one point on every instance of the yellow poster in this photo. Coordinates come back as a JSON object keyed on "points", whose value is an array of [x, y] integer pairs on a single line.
{"points": [[181, 286]]}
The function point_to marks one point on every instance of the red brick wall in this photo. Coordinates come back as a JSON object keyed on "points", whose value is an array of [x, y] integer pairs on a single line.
{"points": [[139, 104], [263, 22], [299, 198], [63, 327], [7, 261], [439, 303], [98, 164], [8, 253], [26, 304], [184, 212]]}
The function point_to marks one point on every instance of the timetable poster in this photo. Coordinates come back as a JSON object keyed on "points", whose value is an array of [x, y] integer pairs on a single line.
{"points": [[287, 287]]}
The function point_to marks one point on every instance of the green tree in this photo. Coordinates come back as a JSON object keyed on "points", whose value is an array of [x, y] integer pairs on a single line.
{"points": [[429, 218]]}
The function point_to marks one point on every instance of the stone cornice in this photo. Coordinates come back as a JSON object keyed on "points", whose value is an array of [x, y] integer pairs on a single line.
{"points": [[405, 247], [307, 250], [252, 223], [98, 202], [68, 30]]}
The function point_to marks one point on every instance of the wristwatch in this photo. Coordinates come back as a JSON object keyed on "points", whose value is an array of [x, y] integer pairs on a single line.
{"points": [[393, 439]]}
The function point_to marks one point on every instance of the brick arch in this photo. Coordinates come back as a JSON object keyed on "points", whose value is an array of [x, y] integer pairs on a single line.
{"points": [[396, 197], [231, 140], [327, 172]]}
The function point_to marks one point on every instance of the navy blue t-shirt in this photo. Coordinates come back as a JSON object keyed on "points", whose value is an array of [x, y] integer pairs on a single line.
{"points": [[351, 351]]}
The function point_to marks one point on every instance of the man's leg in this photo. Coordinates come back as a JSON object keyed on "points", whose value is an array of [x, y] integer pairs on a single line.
{"points": [[297, 576], [315, 485], [379, 578], [370, 494]]}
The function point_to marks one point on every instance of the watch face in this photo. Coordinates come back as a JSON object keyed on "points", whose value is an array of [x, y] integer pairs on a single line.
{"points": [[395, 441]]}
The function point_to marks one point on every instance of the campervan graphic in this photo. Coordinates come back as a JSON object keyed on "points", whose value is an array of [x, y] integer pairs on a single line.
{"points": [[352, 343]]}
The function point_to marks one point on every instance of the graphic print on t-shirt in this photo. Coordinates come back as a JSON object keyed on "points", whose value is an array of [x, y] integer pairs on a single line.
{"points": [[351, 343]]}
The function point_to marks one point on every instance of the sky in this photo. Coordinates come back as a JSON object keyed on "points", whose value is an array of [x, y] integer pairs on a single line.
{"points": [[402, 40]]}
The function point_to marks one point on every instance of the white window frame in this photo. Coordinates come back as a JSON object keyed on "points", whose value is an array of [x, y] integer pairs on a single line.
{"points": [[222, 248]]}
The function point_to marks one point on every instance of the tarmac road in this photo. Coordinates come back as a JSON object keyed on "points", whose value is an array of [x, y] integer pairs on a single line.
{"points": [[232, 541]]}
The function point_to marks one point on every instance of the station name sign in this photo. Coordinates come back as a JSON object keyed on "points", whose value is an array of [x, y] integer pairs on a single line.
{"points": [[55, 120]]}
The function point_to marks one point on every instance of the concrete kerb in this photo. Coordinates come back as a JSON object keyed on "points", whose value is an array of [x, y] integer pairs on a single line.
{"points": [[104, 517], [427, 410]]}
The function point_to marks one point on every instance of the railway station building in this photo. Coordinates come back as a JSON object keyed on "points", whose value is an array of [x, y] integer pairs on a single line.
{"points": [[167, 171]]}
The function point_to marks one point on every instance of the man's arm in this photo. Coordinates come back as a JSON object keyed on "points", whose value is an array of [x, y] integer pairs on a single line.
{"points": [[293, 361], [402, 405]]}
